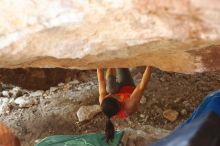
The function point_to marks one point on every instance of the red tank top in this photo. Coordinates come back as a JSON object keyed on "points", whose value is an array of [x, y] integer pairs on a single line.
{"points": [[124, 92]]}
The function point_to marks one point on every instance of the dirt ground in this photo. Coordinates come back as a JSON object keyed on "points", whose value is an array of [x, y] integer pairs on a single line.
{"points": [[56, 111]]}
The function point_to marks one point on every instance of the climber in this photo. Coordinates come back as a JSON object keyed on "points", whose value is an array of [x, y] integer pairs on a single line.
{"points": [[119, 99]]}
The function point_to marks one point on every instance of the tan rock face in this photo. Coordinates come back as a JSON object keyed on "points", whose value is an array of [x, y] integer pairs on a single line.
{"points": [[181, 36], [170, 115]]}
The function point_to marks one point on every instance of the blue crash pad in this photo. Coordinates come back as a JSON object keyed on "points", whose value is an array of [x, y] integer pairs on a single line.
{"points": [[201, 129]]}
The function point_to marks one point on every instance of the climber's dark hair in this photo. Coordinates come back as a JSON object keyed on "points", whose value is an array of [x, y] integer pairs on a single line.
{"points": [[110, 107]]}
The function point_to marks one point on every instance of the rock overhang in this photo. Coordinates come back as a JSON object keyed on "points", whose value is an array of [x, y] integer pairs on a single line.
{"points": [[180, 36]]}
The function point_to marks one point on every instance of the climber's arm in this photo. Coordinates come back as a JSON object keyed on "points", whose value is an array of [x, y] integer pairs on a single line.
{"points": [[132, 103], [102, 84]]}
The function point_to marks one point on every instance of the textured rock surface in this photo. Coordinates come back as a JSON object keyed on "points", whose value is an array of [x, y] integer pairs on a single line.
{"points": [[170, 115], [4, 105], [181, 36], [25, 101], [88, 112], [143, 137], [59, 106]]}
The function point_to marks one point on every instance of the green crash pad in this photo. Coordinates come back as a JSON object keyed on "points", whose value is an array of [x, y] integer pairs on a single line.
{"points": [[97, 139]]}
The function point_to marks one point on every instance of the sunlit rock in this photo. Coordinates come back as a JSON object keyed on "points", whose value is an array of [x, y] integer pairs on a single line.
{"points": [[181, 36]]}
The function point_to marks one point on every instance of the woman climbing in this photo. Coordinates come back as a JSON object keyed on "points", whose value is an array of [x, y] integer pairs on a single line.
{"points": [[119, 99]]}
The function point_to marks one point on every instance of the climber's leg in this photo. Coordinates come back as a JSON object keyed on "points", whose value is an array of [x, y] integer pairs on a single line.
{"points": [[111, 85]]}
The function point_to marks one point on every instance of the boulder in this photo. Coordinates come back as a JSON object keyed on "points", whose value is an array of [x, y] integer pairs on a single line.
{"points": [[143, 137], [24, 101], [88, 112], [4, 105], [6, 93], [16, 92], [181, 36], [37, 93], [170, 115]]}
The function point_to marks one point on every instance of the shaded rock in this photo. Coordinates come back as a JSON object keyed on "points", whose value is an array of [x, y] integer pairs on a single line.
{"points": [[155, 133], [158, 110], [68, 87], [162, 79], [48, 97], [37, 93], [137, 78], [4, 105], [183, 112], [143, 100], [170, 115], [35, 78], [74, 82], [0, 87], [61, 84], [143, 137], [6, 86], [87, 112], [25, 101], [79, 88], [6, 93], [88, 87], [177, 100], [142, 115], [134, 137], [16, 92], [53, 89], [83, 76]]}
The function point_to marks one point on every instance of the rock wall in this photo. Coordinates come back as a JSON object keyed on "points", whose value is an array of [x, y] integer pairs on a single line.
{"points": [[181, 36], [39, 78]]}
